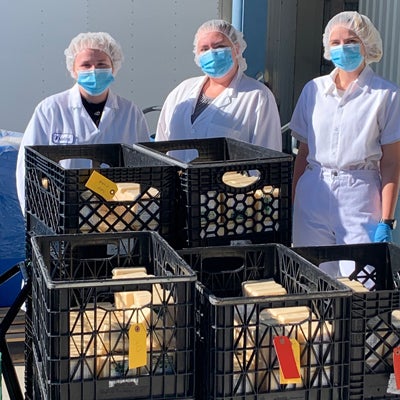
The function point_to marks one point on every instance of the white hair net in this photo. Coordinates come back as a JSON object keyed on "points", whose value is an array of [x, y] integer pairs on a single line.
{"points": [[362, 27], [224, 27], [94, 40]]}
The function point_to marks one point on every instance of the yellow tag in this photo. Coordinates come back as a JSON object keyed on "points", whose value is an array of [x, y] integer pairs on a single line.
{"points": [[296, 355], [137, 346], [101, 185]]}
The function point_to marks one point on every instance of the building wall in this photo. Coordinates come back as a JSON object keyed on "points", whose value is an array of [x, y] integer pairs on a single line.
{"points": [[386, 17], [293, 53], [156, 37], [294, 46]]}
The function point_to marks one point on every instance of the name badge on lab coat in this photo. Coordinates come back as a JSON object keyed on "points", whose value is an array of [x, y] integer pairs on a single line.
{"points": [[62, 138]]}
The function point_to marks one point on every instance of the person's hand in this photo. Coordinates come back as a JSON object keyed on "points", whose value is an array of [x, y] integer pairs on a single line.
{"points": [[383, 233]]}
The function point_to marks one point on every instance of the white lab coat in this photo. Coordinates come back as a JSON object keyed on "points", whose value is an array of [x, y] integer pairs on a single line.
{"points": [[246, 111], [61, 119]]}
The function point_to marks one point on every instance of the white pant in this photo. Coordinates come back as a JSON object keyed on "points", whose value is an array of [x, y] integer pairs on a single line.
{"points": [[336, 207]]}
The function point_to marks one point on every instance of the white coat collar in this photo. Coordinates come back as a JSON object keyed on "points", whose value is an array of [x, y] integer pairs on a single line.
{"points": [[75, 100], [230, 91], [363, 80]]}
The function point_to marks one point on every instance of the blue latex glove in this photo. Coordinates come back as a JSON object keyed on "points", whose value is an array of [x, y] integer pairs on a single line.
{"points": [[383, 233]]}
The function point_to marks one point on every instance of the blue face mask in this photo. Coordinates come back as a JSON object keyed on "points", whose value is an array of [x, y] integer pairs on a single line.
{"points": [[95, 81], [216, 63], [347, 57]]}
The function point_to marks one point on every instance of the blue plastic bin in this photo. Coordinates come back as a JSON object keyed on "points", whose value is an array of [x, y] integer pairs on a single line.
{"points": [[12, 227]]}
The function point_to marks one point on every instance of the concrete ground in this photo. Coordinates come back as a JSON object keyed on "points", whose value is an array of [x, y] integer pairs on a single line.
{"points": [[15, 343], [20, 369]]}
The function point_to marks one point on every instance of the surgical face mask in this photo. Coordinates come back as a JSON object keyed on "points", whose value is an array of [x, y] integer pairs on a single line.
{"points": [[95, 81], [216, 63], [347, 57]]}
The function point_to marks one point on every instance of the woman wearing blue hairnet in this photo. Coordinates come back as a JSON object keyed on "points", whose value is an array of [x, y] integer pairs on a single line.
{"points": [[89, 112], [224, 102], [346, 174]]}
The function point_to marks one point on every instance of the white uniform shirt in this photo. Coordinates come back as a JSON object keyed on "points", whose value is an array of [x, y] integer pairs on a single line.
{"points": [[246, 111], [347, 132], [61, 119]]}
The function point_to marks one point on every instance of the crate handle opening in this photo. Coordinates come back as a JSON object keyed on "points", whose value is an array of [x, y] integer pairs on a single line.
{"points": [[241, 179], [221, 265], [186, 155], [81, 163]]}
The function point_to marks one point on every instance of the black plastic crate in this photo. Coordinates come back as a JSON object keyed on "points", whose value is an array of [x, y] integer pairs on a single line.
{"points": [[57, 197], [375, 325], [238, 359], [82, 317], [219, 202]]}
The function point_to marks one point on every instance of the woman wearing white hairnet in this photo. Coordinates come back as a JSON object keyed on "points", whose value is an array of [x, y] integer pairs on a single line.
{"points": [[346, 174], [88, 113], [224, 102]]}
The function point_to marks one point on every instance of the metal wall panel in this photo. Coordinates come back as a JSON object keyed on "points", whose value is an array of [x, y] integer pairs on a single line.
{"points": [[156, 38], [280, 57], [293, 49], [385, 14]]}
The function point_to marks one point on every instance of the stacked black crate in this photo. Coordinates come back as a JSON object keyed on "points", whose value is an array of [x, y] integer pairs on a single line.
{"points": [[375, 313], [124, 190], [229, 191], [131, 191], [250, 296], [236, 219], [113, 317]]}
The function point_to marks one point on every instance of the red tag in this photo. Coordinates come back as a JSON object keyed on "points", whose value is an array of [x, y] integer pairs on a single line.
{"points": [[287, 362], [396, 365]]}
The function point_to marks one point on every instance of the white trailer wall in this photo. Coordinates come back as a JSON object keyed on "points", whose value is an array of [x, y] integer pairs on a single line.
{"points": [[156, 37]]}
